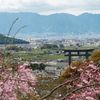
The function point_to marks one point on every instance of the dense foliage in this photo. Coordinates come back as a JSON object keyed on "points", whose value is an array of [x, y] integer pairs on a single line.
{"points": [[61, 45], [40, 66], [49, 46], [14, 48]]}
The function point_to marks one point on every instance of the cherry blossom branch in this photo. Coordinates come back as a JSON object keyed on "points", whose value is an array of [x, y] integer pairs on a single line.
{"points": [[79, 89], [60, 85]]}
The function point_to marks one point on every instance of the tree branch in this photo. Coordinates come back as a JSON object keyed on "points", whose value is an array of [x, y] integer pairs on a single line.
{"points": [[60, 85], [79, 89]]}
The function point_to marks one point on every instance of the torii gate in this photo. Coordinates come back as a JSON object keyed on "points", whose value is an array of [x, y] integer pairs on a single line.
{"points": [[87, 52]]}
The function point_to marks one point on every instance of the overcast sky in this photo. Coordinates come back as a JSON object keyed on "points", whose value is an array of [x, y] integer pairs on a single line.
{"points": [[46, 7]]}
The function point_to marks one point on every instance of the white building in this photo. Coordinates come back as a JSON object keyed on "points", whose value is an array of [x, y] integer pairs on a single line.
{"points": [[50, 69]]}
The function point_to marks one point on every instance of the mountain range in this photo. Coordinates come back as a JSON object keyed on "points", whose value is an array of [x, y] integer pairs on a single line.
{"points": [[50, 26]]}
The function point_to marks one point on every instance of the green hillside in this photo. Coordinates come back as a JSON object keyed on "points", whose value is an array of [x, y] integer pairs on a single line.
{"points": [[9, 40]]}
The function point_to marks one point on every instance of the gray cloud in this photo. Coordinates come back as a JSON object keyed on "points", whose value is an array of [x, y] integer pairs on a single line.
{"points": [[50, 6]]}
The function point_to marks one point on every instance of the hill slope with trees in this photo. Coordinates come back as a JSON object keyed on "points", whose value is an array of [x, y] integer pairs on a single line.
{"points": [[11, 40]]}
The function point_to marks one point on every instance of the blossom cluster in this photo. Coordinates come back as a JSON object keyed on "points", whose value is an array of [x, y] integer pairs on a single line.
{"points": [[17, 83], [86, 86], [84, 83]]}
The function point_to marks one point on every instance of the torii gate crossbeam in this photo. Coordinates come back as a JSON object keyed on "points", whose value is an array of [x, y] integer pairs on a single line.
{"points": [[87, 53]]}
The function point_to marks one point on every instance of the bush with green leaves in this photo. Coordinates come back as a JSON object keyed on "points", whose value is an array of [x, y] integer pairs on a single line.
{"points": [[95, 56]]}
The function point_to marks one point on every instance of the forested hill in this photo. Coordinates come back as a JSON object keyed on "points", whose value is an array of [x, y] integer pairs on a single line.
{"points": [[9, 40]]}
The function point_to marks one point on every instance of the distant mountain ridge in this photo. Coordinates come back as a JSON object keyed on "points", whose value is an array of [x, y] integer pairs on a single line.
{"points": [[51, 25]]}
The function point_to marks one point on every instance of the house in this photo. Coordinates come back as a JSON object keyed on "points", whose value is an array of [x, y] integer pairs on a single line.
{"points": [[38, 72], [50, 69], [62, 65]]}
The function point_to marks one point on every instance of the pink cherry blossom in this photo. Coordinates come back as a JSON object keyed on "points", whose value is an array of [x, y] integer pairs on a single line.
{"points": [[73, 67], [80, 70], [89, 98], [12, 82]]}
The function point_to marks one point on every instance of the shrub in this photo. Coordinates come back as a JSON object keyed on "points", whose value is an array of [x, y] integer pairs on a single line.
{"points": [[95, 56], [69, 70]]}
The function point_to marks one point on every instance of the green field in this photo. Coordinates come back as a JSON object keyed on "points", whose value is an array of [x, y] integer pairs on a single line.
{"points": [[44, 56], [39, 54]]}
